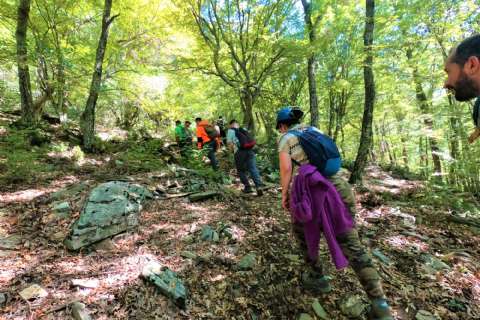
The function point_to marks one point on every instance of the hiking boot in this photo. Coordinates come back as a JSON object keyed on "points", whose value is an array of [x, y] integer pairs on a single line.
{"points": [[380, 310], [247, 190], [316, 282], [259, 192]]}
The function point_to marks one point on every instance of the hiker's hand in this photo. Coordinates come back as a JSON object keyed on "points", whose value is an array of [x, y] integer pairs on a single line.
{"points": [[474, 136], [285, 201]]}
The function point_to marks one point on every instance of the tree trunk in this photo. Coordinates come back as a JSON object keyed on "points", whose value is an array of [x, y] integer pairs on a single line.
{"points": [[366, 136], [247, 100], [28, 116], [87, 121], [312, 82], [428, 121]]}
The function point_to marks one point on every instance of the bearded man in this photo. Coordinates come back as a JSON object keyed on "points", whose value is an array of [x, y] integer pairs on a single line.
{"points": [[463, 76]]}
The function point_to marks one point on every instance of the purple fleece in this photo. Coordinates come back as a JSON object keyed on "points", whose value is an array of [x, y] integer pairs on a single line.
{"points": [[316, 204]]}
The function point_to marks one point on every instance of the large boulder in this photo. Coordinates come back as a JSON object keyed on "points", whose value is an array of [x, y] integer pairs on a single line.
{"points": [[111, 208]]}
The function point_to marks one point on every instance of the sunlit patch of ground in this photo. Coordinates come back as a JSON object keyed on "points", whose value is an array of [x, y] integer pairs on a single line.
{"points": [[404, 243], [30, 194]]}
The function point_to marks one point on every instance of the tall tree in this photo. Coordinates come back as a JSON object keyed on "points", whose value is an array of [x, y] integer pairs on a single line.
{"points": [[311, 27], [369, 82], [243, 38], [22, 60], [87, 121], [31, 110]]}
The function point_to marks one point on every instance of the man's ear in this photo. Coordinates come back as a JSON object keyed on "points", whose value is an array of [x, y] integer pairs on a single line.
{"points": [[472, 65]]}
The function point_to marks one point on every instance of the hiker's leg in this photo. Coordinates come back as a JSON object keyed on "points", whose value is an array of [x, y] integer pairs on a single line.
{"points": [[241, 167], [313, 279], [212, 147], [346, 191], [315, 265], [252, 168], [362, 264]]}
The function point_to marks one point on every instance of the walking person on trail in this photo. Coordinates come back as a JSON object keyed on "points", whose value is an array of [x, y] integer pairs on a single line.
{"points": [[241, 143], [207, 136], [180, 136], [463, 76], [320, 201], [188, 133], [221, 125]]}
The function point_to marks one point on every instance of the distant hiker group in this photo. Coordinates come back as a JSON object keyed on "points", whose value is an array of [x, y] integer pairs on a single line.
{"points": [[212, 136]]}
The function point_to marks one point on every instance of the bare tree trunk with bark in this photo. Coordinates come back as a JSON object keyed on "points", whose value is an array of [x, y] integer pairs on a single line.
{"points": [[311, 62], [87, 120], [366, 136], [28, 117], [428, 121]]}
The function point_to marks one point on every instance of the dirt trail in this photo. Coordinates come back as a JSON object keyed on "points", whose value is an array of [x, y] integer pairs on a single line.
{"points": [[404, 236]]}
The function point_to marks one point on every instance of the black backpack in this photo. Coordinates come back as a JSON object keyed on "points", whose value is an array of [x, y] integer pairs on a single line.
{"points": [[320, 149], [245, 139]]}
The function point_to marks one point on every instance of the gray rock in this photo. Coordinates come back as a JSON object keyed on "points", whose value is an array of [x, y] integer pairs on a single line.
{"points": [[383, 258], [167, 282], [3, 298], [319, 311], [33, 292], [247, 262], [352, 306], [305, 316], [62, 209], [69, 192], [433, 265], [425, 315], [110, 209], [11, 242], [105, 245], [79, 312]]}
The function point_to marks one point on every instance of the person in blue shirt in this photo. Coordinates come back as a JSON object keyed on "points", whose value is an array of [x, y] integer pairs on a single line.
{"points": [[245, 161]]}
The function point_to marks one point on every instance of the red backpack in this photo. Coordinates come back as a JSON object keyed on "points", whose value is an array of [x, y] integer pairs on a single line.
{"points": [[245, 139]]}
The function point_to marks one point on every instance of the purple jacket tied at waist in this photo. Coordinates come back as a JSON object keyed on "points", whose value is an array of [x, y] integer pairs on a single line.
{"points": [[316, 204]]}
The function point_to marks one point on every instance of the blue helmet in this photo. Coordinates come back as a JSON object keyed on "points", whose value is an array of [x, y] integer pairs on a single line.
{"points": [[288, 113]]}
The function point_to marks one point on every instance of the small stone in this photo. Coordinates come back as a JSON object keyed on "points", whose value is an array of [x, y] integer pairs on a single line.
{"points": [[247, 262], [61, 207], [319, 311], [188, 255], [207, 233], [352, 306], [3, 298], [79, 312], [383, 258], [166, 281], [58, 236], [105, 245], [33, 292], [11, 242], [85, 283], [425, 315], [305, 316], [118, 163]]}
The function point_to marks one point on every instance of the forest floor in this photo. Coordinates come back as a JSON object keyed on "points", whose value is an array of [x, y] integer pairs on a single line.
{"points": [[429, 266]]}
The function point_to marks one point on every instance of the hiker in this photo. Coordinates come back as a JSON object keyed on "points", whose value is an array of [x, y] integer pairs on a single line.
{"points": [[463, 76], [180, 136], [322, 201], [207, 136], [241, 143], [221, 126], [188, 133]]}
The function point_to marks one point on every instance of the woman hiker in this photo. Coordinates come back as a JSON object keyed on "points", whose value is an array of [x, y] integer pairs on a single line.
{"points": [[323, 204]]}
